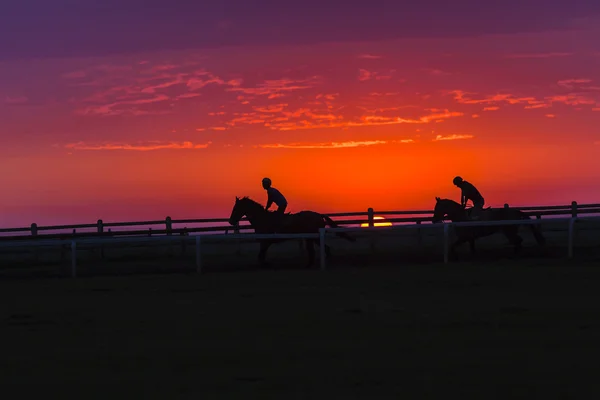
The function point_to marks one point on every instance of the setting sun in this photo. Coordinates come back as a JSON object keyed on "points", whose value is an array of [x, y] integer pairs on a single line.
{"points": [[366, 224]]}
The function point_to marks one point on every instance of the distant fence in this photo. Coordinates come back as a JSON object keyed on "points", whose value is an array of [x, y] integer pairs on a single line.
{"points": [[183, 227], [198, 240]]}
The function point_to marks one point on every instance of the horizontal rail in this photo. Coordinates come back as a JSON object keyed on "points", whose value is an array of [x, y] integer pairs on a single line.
{"points": [[573, 209], [278, 236]]}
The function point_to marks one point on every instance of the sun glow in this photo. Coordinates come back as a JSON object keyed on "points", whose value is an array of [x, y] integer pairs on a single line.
{"points": [[366, 224]]}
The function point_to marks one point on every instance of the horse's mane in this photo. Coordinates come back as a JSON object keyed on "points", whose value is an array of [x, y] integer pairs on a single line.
{"points": [[448, 201], [253, 202]]}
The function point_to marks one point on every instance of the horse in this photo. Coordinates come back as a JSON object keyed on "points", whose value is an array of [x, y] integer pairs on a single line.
{"points": [[446, 208], [266, 222]]}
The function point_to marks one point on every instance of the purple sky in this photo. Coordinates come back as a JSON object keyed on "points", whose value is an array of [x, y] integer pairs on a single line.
{"points": [[74, 28]]}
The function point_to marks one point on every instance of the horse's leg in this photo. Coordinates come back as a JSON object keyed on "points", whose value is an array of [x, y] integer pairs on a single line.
{"points": [[472, 245], [310, 249], [511, 234], [262, 255], [459, 241]]}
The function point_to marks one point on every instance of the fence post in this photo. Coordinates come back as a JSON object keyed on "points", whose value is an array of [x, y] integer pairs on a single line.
{"points": [[573, 209], [73, 259], [100, 231], [571, 236], [169, 225], [198, 255], [371, 216], [322, 247], [34, 229], [183, 234], [446, 246], [419, 240]]}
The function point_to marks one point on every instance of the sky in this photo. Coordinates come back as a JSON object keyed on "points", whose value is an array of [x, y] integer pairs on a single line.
{"points": [[131, 110]]}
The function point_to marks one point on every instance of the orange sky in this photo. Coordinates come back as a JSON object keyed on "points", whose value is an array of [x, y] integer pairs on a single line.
{"points": [[337, 127]]}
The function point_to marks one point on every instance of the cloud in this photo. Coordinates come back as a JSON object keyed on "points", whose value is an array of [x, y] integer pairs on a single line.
{"points": [[550, 115], [475, 116], [436, 72], [334, 145], [491, 108], [115, 109], [125, 90], [142, 146], [452, 137], [369, 56], [327, 121], [568, 83], [364, 75], [275, 88], [539, 55], [573, 99], [16, 100], [464, 98]]}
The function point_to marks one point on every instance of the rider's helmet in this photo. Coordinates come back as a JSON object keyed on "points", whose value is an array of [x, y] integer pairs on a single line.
{"points": [[457, 180], [266, 182]]}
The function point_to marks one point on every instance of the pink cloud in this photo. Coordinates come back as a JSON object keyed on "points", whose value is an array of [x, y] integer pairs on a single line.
{"points": [[539, 55], [491, 108], [144, 146], [369, 56], [334, 145], [550, 115], [436, 72], [573, 99], [452, 137], [364, 75], [16, 100], [277, 87], [569, 83]]}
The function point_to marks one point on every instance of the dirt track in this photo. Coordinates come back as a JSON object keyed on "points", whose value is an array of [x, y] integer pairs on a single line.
{"points": [[493, 331]]}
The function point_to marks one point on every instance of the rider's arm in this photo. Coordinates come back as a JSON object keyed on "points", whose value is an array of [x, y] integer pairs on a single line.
{"points": [[463, 198], [269, 201]]}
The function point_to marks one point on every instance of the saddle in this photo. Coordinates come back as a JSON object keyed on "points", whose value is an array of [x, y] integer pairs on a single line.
{"points": [[281, 221], [482, 214]]}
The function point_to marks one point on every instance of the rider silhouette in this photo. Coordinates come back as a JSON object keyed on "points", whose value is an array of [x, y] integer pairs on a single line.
{"points": [[274, 196], [470, 192]]}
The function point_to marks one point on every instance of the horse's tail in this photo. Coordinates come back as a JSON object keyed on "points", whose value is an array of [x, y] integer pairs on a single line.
{"points": [[535, 229], [331, 223]]}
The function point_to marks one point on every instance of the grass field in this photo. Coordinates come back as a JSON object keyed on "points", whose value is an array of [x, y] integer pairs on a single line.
{"points": [[500, 330]]}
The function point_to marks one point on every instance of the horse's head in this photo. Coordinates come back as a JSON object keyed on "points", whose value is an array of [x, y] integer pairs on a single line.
{"points": [[236, 213], [244, 207], [446, 208]]}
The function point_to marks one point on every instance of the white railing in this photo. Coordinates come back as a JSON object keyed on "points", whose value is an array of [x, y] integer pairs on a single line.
{"points": [[175, 226], [198, 240]]}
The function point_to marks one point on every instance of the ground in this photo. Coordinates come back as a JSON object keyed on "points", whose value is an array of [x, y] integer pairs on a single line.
{"points": [[499, 329]]}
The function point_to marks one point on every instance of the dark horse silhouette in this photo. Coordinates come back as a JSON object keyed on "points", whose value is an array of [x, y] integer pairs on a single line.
{"points": [[265, 222], [446, 208]]}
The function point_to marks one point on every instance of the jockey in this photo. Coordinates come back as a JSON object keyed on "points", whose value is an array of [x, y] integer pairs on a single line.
{"points": [[469, 192], [274, 196]]}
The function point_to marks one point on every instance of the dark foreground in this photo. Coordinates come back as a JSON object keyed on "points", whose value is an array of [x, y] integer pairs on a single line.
{"points": [[498, 330]]}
